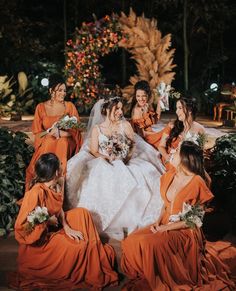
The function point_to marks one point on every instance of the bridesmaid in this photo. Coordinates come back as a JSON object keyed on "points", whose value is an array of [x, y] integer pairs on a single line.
{"points": [[63, 143], [170, 255], [143, 116], [64, 250], [183, 127]]}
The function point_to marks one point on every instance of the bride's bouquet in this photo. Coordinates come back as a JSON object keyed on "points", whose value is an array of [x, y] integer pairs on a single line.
{"points": [[120, 147], [192, 215]]}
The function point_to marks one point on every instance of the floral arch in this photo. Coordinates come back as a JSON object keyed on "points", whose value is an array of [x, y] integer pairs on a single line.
{"points": [[138, 35]]}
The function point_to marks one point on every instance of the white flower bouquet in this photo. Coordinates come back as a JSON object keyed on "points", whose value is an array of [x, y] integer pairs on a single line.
{"points": [[64, 123], [163, 91], [37, 216], [192, 215], [198, 138]]}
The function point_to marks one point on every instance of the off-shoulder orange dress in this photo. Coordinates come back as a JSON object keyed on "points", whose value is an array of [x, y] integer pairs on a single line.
{"points": [[145, 124], [52, 260], [177, 259], [63, 147]]}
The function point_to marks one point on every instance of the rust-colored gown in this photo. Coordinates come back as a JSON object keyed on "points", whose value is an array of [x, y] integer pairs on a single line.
{"points": [[52, 260], [64, 147], [178, 259], [145, 123]]}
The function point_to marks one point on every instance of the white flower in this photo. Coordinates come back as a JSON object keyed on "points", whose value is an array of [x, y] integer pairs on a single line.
{"points": [[186, 208], [197, 221], [174, 218], [66, 118], [30, 218]]}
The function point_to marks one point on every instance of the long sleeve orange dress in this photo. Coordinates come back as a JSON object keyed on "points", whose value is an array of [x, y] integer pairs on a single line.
{"points": [[63, 147], [50, 260], [145, 123], [177, 259]]}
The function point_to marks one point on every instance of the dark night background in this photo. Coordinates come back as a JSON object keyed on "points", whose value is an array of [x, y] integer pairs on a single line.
{"points": [[33, 34]]}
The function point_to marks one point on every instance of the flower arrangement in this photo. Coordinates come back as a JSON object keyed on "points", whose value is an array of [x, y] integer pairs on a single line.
{"points": [[192, 215], [120, 146], [82, 68], [36, 217], [199, 139], [64, 123], [163, 91]]}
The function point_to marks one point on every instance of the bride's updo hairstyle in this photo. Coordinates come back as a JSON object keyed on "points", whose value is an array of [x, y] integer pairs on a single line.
{"points": [[189, 105], [191, 158], [45, 168], [109, 104]]}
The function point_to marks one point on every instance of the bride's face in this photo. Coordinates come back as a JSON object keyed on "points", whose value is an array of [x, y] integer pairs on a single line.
{"points": [[116, 112], [141, 97]]}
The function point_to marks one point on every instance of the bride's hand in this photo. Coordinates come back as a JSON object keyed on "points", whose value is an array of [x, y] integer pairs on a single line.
{"points": [[73, 234]]}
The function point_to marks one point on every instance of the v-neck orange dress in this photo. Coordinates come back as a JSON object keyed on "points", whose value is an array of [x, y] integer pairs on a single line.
{"points": [[145, 123], [177, 259], [63, 147], [49, 259]]}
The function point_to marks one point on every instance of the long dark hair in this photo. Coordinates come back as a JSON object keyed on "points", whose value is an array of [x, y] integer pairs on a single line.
{"points": [[109, 104], [45, 168], [191, 157], [189, 106], [141, 85], [54, 80]]}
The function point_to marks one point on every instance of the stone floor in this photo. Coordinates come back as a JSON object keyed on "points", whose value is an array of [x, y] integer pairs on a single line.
{"points": [[8, 246]]}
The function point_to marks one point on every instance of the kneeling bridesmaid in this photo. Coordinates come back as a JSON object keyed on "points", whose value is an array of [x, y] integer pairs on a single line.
{"points": [[57, 250], [172, 254]]}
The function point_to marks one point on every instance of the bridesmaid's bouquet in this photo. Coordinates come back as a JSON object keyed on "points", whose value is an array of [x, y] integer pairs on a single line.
{"points": [[35, 217], [64, 123], [192, 215], [199, 139], [67, 122]]}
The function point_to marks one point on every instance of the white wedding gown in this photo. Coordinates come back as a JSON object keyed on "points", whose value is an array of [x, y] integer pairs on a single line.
{"points": [[119, 196]]}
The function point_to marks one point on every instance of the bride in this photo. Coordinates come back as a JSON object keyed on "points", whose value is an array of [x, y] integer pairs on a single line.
{"points": [[116, 175]]}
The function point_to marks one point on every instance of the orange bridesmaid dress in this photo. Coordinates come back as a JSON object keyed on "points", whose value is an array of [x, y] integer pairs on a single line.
{"points": [[145, 123], [50, 260], [177, 259], [63, 147]]}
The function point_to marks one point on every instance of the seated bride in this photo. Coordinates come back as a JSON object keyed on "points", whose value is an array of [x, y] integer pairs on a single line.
{"points": [[116, 175]]}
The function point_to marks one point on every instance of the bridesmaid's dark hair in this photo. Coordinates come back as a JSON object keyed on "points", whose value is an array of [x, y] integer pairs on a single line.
{"points": [[54, 80], [109, 104], [189, 106], [191, 157], [45, 168], [141, 85]]}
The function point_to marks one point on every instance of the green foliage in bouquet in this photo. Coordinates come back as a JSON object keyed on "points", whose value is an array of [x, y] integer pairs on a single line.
{"points": [[15, 155]]}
